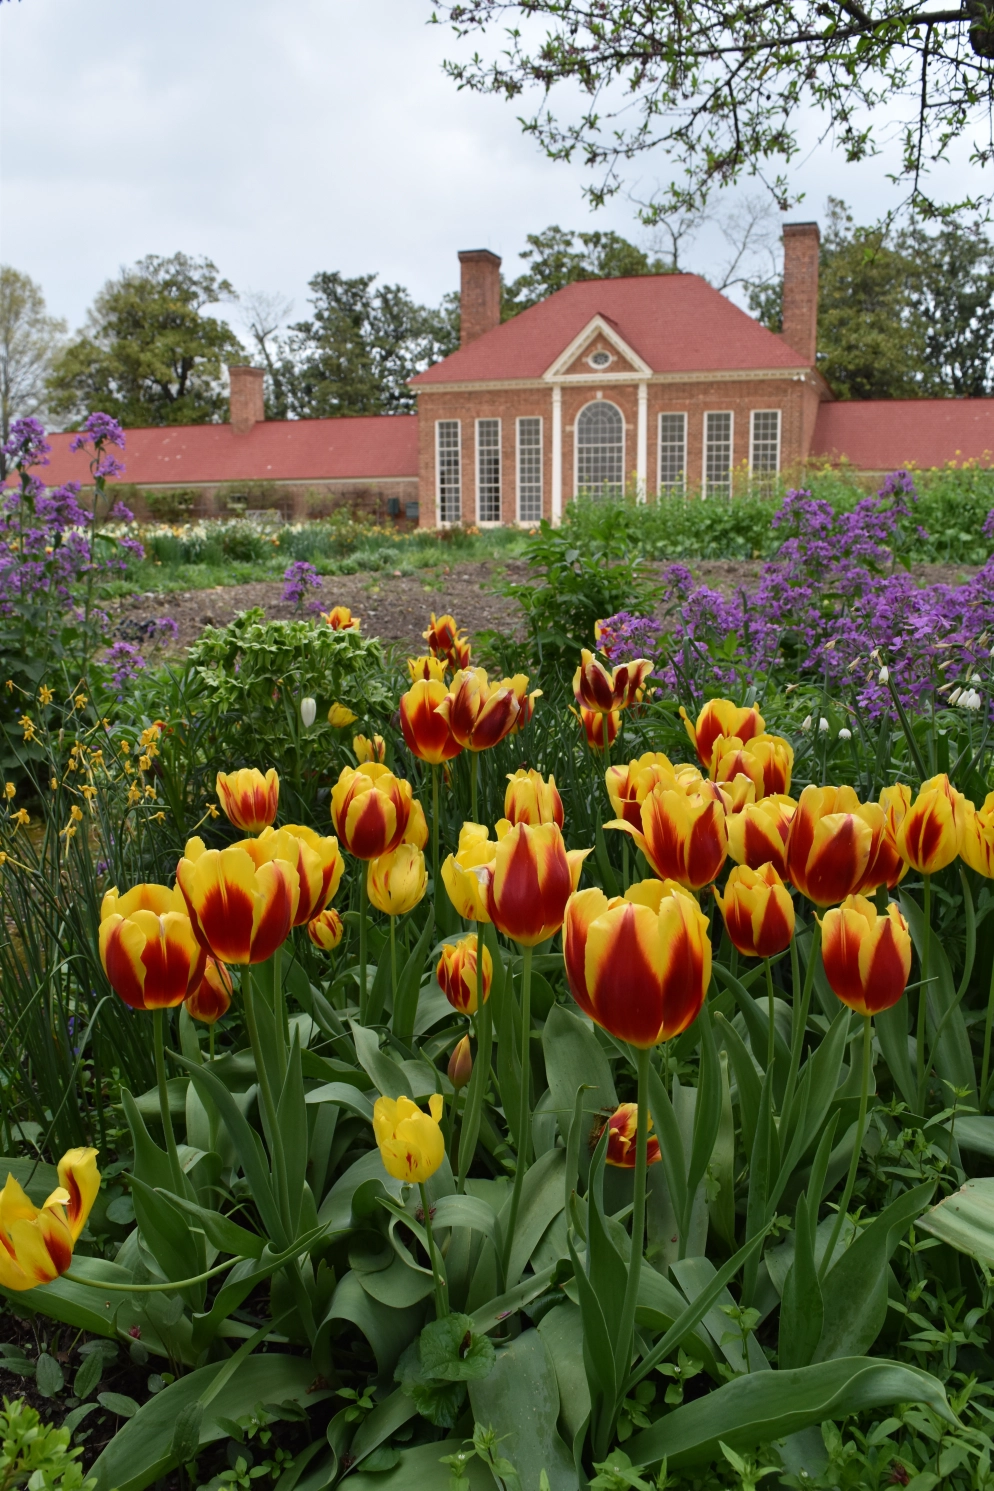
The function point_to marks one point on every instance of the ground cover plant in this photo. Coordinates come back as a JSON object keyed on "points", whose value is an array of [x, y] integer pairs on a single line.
{"points": [[573, 1074]]}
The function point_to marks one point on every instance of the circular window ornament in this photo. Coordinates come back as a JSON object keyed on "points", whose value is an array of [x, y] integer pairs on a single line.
{"points": [[600, 359]]}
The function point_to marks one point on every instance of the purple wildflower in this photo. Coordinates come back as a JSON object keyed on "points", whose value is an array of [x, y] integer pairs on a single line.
{"points": [[300, 577], [27, 445], [102, 429]]}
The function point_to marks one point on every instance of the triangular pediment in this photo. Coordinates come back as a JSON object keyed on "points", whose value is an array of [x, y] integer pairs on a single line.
{"points": [[598, 353]]}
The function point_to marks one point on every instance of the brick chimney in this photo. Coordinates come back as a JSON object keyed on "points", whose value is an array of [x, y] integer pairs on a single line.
{"points": [[479, 293], [247, 408], [800, 288]]}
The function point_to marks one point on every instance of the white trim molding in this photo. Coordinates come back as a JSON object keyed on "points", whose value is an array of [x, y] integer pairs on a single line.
{"points": [[557, 455], [642, 441], [598, 326]]}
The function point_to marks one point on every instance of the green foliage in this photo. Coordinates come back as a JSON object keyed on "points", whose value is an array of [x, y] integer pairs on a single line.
{"points": [[558, 257], [29, 338], [172, 506], [35, 1455], [147, 355]]}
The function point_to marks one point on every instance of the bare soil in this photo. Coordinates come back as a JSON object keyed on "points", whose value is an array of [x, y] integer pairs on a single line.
{"points": [[396, 607]]}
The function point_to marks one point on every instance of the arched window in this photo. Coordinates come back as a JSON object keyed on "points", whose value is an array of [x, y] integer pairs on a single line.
{"points": [[600, 450]]}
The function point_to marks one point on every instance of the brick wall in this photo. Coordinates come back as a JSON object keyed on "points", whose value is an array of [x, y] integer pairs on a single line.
{"points": [[797, 401]]}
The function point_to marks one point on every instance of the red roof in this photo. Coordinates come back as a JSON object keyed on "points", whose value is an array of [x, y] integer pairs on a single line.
{"points": [[676, 322], [885, 434], [350, 448]]}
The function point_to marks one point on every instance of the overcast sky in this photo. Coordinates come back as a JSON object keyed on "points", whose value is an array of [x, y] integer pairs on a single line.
{"points": [[281, 139]]}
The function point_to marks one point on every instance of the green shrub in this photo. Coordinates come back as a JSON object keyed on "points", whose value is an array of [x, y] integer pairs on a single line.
{"points": [[174, 506]]}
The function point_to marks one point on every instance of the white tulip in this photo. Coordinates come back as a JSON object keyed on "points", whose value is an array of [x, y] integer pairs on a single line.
{"points": [[308, 711]]}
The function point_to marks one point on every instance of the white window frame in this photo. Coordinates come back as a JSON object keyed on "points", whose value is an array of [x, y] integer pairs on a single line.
{"points": [[576, 443], [444, 522], [731, 451], [669, 414], [775, 471], [541, 466], [481, 520]]}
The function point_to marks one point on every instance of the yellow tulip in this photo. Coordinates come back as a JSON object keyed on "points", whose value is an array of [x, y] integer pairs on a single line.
{"points": [[460, 870], [929, 835], [410, 1141], [397, 881], [37, 1242]]}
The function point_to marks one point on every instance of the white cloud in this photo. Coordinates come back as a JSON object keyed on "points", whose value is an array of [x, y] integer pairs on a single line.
{"points": [[280, 140]]}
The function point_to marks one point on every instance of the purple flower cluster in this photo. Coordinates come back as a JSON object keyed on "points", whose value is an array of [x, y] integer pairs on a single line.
{"points": [[832, 607], [625, 637], [300, 576], [125, 662]]}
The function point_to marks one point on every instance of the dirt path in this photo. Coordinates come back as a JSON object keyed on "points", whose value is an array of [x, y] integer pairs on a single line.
{"points": [[396, 607]]}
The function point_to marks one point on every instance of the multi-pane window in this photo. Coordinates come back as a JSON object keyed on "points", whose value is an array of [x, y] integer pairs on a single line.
{"points": [[672, 452], [488, 470], [764, 456], [600, 450], [529, 470], [448, 470], [717, 455]]}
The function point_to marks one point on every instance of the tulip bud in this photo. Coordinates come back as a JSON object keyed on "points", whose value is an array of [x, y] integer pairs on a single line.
{"points": [[212, 998], [460, 1067], [326, 930], [339, 715], [593, 724], [456, 974], [308, 711], [758, 911], [369, 750], [621, 1144], [396, 881]]}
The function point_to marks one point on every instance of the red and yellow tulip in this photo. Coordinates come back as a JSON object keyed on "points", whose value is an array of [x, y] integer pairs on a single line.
{"points": [[212, 997], [929, 834], [367, 749], [604, 691], [148, 948], [479, 713], [315, 857], [683, 835], [340, 619], [445, 640], [758, 834], [456, 974], [425, 729], [248, 799], [371, 810], [640, 965], [397, 881], [429, 668], [529, 798], [758, 911], [528, 882], [976, 845], [885, 865], [766, 760], [593, 726], [628, 786], [829, 844], [36, 1242], [326, 930], [721, 717], [526, 700], [867, 956], [241, 911], [463, 872], [622, 1129]]}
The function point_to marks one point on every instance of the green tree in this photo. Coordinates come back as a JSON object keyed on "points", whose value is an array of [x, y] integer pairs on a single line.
{"points": [[29, 338], [901, 314], [558, 257], [356, 352], [148, 355], [723, 88]]}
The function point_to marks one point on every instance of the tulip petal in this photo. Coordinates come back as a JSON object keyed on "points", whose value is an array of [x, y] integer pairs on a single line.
{"points": [[79, 1175]]}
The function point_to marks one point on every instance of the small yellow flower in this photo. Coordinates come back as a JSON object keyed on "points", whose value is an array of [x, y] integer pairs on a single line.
{"points": [[125, 748], [10, 685], [144, 763], [128, 768], [80, 701], [151, 734], [88, 792], [150, 792], [68, 831], [158, 817], [45, 694], [54, 783], [21, 818], [27, 725], [9, 790], [3, 858], [213, 810], [76, 813]]}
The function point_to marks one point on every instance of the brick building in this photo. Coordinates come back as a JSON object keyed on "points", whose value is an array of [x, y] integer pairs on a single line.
{"points": [[652, 384]]}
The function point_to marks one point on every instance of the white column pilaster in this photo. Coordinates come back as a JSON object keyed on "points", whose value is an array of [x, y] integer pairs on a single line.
{"points": [[557, 455], [642, 442]]}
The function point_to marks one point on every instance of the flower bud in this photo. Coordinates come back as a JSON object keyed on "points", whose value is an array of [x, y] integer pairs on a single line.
{"points": [[456, 974], [212, 998], [308, 711], [460, 1067], [326, 929]]}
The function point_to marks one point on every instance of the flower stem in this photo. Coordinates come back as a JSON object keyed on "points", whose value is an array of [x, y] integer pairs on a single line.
{"points": [[923, 992], [474, 763], [363, 1002], [826, 1262], [988, 1024], [638, 1218], [797, 1039], [605, 725], [279, 1013], [434, 830], [524, 1105], [441, 1288], [771, 1038], [266, 1093], [158, 1028], [393, 974]]}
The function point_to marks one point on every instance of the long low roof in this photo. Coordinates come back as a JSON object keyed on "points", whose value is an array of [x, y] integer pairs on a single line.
{"points": [[886, 434], [361, 447]]}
